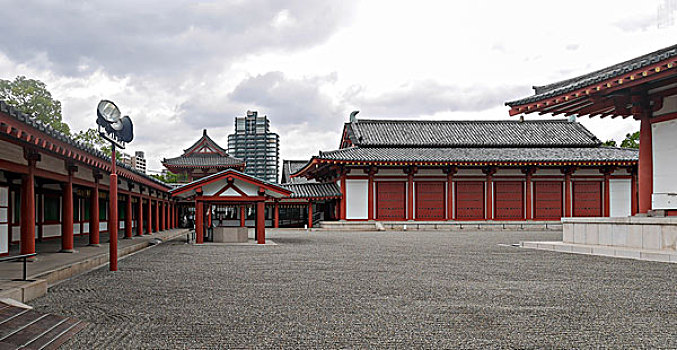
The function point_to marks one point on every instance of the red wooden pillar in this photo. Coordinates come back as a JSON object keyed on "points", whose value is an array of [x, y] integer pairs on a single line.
{"points": [[171, 215], [607, 202], [27, 245], [370, 191], [149, 221], [157, 216], [528, 172], [489, 211], [113, 220], [410, 191], [67, 213], [645, 164], [162, 215], [567, 191], [342, 210], [450, 171], [199, 218], [310, 214], [41, 213], [128, 217], [167, 216], [276, 214], [242, 215], [94, 212], [139, 218], [260, 222]]}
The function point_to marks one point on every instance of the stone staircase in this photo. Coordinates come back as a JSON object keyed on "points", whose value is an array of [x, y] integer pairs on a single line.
{"points": [[24, 328]]}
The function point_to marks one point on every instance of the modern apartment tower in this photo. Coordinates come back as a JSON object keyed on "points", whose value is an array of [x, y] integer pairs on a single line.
{"points": [[253, 142], [137, 161]]}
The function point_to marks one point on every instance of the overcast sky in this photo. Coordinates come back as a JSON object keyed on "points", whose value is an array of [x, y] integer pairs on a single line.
{"points": [[177, 67]]}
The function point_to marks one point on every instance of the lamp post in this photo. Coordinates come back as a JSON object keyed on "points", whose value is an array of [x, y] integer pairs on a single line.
{"points": [[118, 131]]}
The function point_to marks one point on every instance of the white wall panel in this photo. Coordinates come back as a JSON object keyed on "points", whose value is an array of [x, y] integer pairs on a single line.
{"points": [[664, 139], [620, 197], [356, 199]]}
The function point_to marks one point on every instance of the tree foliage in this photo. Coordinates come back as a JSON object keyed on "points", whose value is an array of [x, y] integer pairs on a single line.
{"points": [[170, 177], [609, 143], [31, 96], [631, 140]]}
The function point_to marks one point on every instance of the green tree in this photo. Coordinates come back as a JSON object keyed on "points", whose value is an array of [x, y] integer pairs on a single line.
{"points": [[170, 177], [92, 138], [31, 96], [631, 140], [609, 143]]}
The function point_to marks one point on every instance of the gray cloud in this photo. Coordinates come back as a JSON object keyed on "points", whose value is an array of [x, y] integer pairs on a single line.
{"points": [[637, 23], [161, 37], [430, 97]]}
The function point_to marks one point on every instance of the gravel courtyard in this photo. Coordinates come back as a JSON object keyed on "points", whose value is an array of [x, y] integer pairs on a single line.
{"points": [[372, 290]]}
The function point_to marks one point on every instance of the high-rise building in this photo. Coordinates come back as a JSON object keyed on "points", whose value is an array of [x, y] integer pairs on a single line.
{"points": [[253, 142], [137, 161]]}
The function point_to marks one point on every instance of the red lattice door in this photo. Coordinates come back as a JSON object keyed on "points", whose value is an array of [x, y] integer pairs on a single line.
{"points": [[430, 200], [390, 200], [547, 200], [509, 200], [470, 200], [587, 198]]}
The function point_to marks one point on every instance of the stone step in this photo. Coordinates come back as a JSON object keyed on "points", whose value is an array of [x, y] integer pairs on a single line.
{"points": [[22, 328]]}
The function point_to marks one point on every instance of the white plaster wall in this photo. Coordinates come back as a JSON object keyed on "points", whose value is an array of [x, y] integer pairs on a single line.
{"points": [[389, 172], [510, 172], [430, 172], [620, 197], [548, 172], [51, 230], [586, 172], [356, 199], [664, 139], [470, 172]]}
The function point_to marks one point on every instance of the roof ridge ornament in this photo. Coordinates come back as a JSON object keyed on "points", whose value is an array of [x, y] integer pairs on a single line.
{"points": [[353, 116]]}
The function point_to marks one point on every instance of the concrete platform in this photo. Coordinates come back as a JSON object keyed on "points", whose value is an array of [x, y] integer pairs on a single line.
{"points": [[440, 225], [51, 266], [610, 251]]}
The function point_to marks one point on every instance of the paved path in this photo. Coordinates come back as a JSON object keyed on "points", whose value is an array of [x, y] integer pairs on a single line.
{"points": [[372, 290]]}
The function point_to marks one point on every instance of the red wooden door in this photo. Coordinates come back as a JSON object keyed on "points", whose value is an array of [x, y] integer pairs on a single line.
{"points": [[509, 200], [587, 198], [547, 200], [390, 200], [430, 200], [470, 200]]}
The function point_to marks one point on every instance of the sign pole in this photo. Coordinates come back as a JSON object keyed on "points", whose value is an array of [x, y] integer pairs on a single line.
{"points": [[113, 222]]}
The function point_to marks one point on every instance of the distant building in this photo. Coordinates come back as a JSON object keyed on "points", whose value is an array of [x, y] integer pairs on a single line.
{"points": [[137, 161], [205, 157], [253, 142]]}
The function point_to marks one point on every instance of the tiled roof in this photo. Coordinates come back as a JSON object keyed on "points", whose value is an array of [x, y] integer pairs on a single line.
{"points": [[313, 190], [535, 154], [564, 86], [205, 140], [48, 130], [198, 160], [290, 167], [471, 133]]}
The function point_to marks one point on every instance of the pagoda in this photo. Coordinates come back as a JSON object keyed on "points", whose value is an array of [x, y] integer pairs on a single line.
{"points": [[205, 157]]}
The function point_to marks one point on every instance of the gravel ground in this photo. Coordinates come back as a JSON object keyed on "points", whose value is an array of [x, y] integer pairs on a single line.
{"points": [[372, 290]]}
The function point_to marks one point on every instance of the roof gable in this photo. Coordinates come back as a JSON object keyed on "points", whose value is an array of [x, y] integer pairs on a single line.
{"points": [[205, 146], [230, 182], [470, 133], [290, 167]]}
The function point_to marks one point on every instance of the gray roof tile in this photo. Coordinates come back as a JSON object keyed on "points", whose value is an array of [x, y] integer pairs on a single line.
{"points": [[536, 154], [313, 190], [471, 133]]}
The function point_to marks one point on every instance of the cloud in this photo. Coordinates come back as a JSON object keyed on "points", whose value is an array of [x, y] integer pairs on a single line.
{"points": [[636, 23], [161, 37], [429, 97]]}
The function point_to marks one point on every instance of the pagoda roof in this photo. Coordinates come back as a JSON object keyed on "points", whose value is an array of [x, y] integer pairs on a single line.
{"points": [[468, 133], [290, 167], [205, 152]]}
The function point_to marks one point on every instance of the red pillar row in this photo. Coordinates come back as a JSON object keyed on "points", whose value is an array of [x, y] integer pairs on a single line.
{"points": [[260, 222], [67, 215], [27, 245], [128, 217], [199, 216], [149, 221], [94, 214], [156, 217], [139, 218], [645, 165]]}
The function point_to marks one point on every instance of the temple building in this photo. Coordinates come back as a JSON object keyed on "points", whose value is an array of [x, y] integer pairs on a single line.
{"points": [[645, 89], [400, 170], [53, 187], [205, 157], [310, 201]]}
